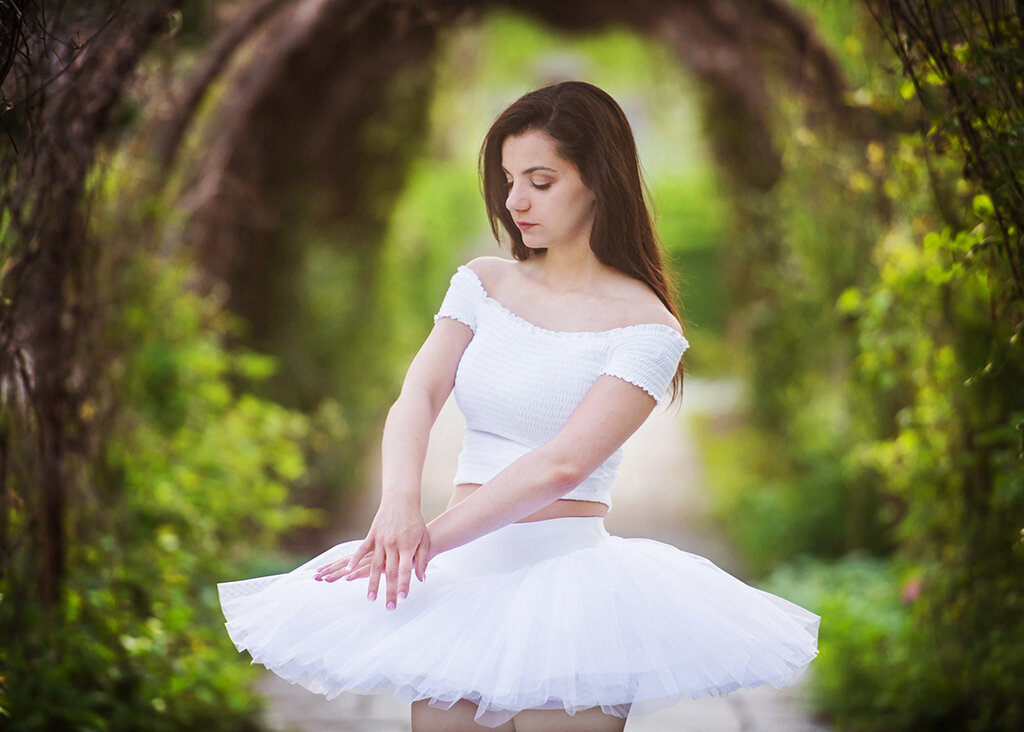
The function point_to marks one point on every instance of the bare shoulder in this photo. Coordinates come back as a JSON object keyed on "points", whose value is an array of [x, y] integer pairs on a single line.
{"points": [[645, 306], [488, 263], [491, 270], [661, 314]]}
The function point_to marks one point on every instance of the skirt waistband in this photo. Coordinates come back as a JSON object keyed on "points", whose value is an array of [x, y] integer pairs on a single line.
{"points": [[519, 544]]}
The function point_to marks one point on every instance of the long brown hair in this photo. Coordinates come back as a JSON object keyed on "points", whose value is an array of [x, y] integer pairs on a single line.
{"points": [[591, 132]]}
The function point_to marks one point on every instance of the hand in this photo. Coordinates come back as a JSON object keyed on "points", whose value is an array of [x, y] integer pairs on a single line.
{"points": [[340, 567], [397, 543]]}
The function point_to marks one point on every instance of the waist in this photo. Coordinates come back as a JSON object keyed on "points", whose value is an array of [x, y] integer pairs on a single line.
{"points": [[519, 544], [485, 454], [562, 508]]}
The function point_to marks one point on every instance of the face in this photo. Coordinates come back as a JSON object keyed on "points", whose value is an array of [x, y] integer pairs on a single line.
{"points": [[546, 196]]}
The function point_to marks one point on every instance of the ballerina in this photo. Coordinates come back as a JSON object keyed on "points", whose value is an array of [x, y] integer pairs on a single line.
{"points": [[533, 616]]}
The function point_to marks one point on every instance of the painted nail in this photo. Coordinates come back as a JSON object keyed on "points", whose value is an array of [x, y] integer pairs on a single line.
{"points": [[391, 606], [371, 597], [401, 595]]}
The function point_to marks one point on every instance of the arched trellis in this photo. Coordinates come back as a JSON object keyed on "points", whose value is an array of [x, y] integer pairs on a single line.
{"points": [[320, 72], [325, 68], [49, 324]]}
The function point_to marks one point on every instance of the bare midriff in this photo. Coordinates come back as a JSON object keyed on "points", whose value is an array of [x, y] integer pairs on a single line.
{"points": [[561, 508]]}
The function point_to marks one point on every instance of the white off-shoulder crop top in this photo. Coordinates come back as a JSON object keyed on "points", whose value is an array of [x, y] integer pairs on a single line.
{"points": [[517, 383]]}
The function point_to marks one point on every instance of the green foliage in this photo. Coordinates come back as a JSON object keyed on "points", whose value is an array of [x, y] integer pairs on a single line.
{"points": [[968, 80], [884, 662], [337, 363], [191, 444], [439, 211], [689, 215], [953, 462], [781, 468], [772, 503], [875, 295], [194, 476], [864, 659]]}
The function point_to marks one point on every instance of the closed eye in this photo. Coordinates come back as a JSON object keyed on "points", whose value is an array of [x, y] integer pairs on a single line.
{"points": [[538, 186]]}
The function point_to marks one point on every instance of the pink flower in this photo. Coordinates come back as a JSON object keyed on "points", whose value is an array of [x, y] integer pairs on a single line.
{"points": [[911, 589]]}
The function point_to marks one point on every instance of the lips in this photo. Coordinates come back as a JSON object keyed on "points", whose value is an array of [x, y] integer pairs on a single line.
{"points": [[525, 225]]}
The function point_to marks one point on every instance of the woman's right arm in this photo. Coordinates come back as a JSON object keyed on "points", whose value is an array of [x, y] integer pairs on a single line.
{"points": [[398, 537]]}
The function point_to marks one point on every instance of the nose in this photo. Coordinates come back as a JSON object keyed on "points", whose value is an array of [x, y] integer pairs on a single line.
{"points": [[516, 200]]}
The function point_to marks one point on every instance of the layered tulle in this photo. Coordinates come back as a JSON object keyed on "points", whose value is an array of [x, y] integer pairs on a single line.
{"points": [[548, 614]]}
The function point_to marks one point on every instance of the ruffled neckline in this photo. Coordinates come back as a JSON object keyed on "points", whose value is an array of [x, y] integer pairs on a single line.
{"points": [[574, 333]]}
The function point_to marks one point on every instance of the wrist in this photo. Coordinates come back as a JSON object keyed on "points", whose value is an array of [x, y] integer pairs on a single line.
{"points": [[396, 497], [437, 545]]}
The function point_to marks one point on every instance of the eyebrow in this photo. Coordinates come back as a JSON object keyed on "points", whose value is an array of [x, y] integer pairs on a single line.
{"points": [[534, 169]]}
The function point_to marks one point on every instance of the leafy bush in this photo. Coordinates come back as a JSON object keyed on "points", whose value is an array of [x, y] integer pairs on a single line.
{"points": [[864, 660], [762, 499], [881, 311], [884, 663], [193, 478]]}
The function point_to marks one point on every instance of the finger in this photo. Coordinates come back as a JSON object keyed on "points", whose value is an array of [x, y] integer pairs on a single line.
{"points": [[392, 557], [362, 570], [334, 569], [369, 545], [337, 564], [326, 570], [345, 572], [333, 562], [421, 560], [376, 567], [404, 571]]}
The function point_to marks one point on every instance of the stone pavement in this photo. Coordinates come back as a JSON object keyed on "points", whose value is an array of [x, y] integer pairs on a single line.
{"points": [[659, 494]]}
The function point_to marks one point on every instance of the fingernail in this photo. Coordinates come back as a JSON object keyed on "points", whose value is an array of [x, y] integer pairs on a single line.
{"points": [[391, 606], [401, 595], [371, 597]]}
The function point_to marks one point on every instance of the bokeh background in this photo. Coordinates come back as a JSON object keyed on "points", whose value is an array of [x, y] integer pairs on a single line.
{"points": [[225, 226]]}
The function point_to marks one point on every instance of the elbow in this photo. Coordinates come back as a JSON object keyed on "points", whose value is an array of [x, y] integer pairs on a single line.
{"points": [[421, 399], [563, 474]]}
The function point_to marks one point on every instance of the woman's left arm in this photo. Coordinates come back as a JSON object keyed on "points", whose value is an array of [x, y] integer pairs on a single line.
{"points": [[610, 411]]}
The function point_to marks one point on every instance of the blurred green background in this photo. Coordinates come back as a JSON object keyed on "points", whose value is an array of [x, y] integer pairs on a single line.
{"points": [[262, 287]]}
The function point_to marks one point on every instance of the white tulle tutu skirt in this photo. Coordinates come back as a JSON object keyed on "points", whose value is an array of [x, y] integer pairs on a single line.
{"points": [[555, 614]]}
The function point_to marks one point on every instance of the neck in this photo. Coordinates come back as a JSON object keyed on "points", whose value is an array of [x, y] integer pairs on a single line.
{"points": [[571, 269]]}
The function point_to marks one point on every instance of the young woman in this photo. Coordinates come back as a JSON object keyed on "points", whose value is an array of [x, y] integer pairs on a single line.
{"points": [[533, 617]]}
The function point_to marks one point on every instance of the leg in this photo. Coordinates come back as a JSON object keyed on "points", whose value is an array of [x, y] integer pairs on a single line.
{"points": [[459, 718], [557, 720]]}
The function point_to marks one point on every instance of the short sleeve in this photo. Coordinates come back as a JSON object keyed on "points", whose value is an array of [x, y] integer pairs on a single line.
{"points": [[460, 301], [648, 358]]}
